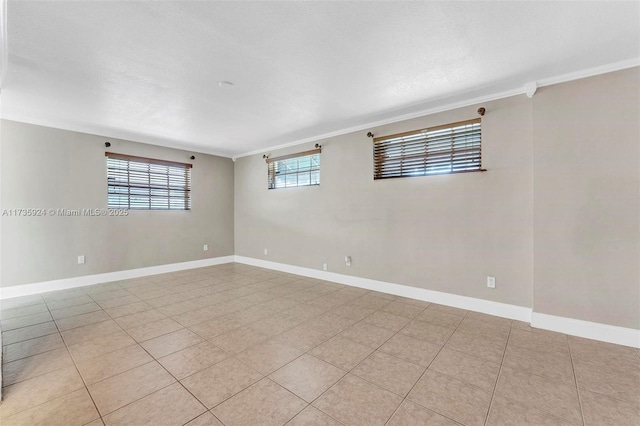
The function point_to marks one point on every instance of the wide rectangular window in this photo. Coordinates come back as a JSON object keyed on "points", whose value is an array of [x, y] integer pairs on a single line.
{"points": [[139, 183], [301, 169], [451, 148]]}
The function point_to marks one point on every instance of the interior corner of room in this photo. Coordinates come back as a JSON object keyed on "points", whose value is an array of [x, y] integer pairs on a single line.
{"points": [[554, 219]]}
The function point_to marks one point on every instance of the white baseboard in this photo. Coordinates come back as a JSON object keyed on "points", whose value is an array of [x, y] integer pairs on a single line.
{"points": [[67, 283], [573, 327], [504, 310], [589, 330]]}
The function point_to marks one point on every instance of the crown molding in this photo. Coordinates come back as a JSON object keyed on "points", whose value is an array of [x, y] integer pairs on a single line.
{"points": [[152, 140], [526, 88]]}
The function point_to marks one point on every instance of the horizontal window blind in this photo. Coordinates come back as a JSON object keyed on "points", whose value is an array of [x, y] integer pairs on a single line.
{"points": [[301, 169], [451, 148], [137, 183]]}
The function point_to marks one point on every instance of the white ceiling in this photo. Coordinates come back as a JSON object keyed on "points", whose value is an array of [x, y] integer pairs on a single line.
{"points": [[149, 71]]}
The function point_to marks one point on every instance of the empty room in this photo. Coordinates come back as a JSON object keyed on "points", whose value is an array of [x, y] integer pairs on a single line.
{"points": [[319, 213]]}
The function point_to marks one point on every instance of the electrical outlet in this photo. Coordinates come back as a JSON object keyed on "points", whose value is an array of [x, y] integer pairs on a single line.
{"points": [[491, 282], [325, 267], [266, 252], [205, 247], [347, 260], [80, 260]]}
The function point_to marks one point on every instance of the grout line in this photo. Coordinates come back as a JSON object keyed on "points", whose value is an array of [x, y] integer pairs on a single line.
{"points": [[575, 381], [495, 386]]}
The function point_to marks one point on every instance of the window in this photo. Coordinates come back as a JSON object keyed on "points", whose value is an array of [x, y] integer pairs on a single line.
{"points": [[451, 148], [139, 183], [301, 169]]}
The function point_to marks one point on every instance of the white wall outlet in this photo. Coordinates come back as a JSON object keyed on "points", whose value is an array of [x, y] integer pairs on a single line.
{"points": [[205, 247], [491, 282], [80, 260], [347, 260], [266, 252], [325, 267]]}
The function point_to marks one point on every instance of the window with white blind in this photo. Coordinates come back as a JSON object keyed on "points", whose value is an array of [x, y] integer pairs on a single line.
{"points": [[138, 183], [452, 148], [301, 169]]}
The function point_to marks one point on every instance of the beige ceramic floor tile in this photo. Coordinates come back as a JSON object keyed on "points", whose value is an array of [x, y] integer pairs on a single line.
{"points": [[408, 310], [307, 376], [267, 357], [603, 354], [216, 327], [6, 314], [239, 340], [601, 410], [124, 388], [26, 333], [88, 332], [32, 347], [470, 369], [154, 329], [505, 412], [544, 393], [82, 299], [387, 320], [264, 403], [102, 367], [128, 309], [192, 359], [274, 324], [491, 349], [429, 332], [311, 416], [100, 345], [354, 401], [39, 390], [452, 398], [172, 405], [75, 321], [410, 414], [73, 409], [25, 321], [443, 319], [75, 310], [556, 365], [410, 349], [537, 342], [206, 419], [609, 382], [477, 326], [170, 343], [21, 302], [219, 382], [341, 352], [140, 318], [118, 301], [389, 372], [367, 335], [26, 368]]}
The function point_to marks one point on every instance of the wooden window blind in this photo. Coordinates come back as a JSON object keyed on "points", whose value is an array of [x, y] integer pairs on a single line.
{"points": [[301, 169], [138, 183], [452, 148]]}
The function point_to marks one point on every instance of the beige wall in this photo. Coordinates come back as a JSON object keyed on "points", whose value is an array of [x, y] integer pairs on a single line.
{"points": [[555, 218], [587, 199], [443, 233], [44, 167]]}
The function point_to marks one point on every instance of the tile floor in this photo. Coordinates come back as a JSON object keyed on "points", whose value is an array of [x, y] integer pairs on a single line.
{"points": [[238, 345]]}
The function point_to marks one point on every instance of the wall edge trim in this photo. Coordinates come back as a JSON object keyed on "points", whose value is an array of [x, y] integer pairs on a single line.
{"points": [[590, 330], [587, 329], [504, 310], [85, 280]]}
